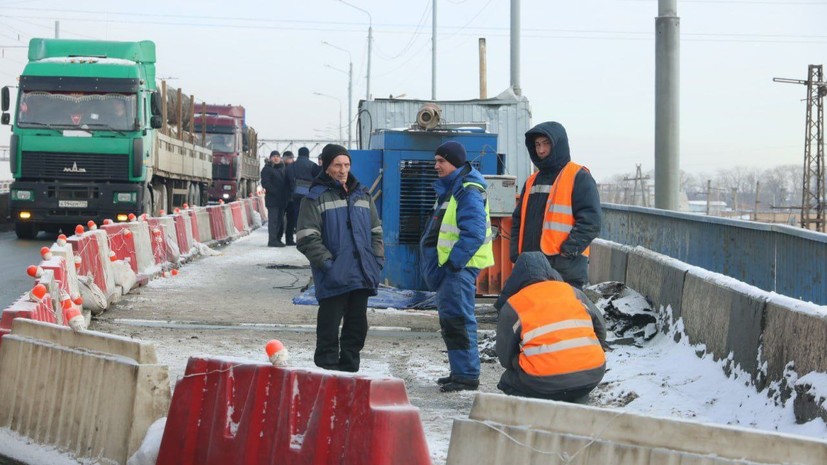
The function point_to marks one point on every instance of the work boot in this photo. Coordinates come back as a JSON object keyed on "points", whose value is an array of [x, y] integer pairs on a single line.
{"points": [[444, 380], [278, 244], [457, 384]]}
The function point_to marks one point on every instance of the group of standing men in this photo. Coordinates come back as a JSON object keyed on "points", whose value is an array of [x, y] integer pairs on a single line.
{"points": [[286, 181], [550, 337]]}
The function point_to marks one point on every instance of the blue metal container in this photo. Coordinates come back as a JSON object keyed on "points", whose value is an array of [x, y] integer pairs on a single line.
{"points": [[405, 161]]}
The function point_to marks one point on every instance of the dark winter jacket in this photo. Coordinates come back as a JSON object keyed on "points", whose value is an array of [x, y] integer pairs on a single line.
{"points": [[340, 234], [274, 181], [532, 268], [470, 215], [301, 173], [585, 206]]}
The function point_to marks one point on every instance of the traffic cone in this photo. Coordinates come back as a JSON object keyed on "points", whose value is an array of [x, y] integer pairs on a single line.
{"points": [[131, 217], [46, 253], [61, 240], [162, 212], [186, 206], [77, 299], [77, 261], [37, 293], [177, 210], [112, 256], [91, 225], [107, 221], [142, 217], [174, 271], [276, 353], [34, 271], [72, 316], [79, 230], [127, 233]]}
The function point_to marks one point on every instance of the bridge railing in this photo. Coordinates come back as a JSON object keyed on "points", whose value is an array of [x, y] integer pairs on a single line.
{"points": [[778, 258]]}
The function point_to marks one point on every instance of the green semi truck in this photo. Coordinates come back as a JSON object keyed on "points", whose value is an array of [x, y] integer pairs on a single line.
{"points": [[91, 139]]}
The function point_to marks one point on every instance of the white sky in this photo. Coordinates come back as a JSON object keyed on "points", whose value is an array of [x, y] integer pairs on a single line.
{"points": [[587, 64]]}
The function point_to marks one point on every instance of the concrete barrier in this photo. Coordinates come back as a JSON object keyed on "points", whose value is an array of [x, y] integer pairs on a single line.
{"points": [[40, 310], [607, 261], [502, 429], [236, 412], [726, 316], [89, 393], [657, 277], [794, 331]]}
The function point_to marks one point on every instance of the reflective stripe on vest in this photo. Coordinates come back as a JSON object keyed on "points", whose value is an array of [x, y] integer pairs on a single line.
{"points": [[557, 332], [449, 235], [558, 220]]}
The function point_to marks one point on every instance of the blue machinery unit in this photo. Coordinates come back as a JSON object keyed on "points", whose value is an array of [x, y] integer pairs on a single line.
{"points": [[399, 168]]}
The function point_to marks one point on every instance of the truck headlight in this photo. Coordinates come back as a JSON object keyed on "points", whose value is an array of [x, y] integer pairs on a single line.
{"points": [[22, 195], [126, 197], [228, 187], [226, 196]]}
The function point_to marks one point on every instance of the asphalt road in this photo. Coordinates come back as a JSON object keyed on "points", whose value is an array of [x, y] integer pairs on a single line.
{"points": [[15, 255]]}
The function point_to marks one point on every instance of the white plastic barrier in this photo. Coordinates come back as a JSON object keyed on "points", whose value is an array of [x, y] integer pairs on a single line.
{"points": [[232, 231], [112, 291], [204, 230]]}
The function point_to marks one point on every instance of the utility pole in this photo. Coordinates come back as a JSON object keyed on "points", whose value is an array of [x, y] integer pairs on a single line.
{"points": [[667, 105], [433, 53], [483, 70], [639, 177], [708, 194], [515, 47], [755, 208], [812, 197], [57, 29]]}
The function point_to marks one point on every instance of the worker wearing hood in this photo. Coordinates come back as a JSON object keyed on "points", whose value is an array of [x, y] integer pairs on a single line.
{"points": [[559, 208], [550, 337]]}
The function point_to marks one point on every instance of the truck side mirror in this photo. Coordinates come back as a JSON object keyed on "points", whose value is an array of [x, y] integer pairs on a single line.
{"points": [[155, 122], [5, 118], [155, 104], [5, 99]]}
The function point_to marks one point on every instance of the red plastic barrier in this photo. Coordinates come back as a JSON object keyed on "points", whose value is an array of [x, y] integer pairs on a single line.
{"points": [[161, 250], [217, 225], [86, 246], [226, 413], [190, 215], [238, 219], [184, 241], [123, 244], [24, 308], [61, 273]]}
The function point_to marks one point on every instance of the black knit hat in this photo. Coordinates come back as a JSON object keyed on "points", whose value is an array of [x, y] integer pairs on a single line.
{"points": [[331, 151], [304, 152], [287, 154], [453, 152], [275, 153]]}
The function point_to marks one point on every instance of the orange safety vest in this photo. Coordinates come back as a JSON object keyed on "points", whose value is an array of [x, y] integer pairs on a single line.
{"points": [[557, 332], [558, 220]]}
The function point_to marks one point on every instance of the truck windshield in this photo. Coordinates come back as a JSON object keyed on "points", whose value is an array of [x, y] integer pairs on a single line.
{"points": [[108, 112], [221, 142]]}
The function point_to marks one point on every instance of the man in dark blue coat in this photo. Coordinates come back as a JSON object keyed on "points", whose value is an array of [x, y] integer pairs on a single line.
{"points": [[301, 174], [548, 146], [340, 234], [277, 187]]}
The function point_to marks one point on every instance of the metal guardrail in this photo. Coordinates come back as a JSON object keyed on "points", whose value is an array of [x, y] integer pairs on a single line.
{"points": [[778, 258]]}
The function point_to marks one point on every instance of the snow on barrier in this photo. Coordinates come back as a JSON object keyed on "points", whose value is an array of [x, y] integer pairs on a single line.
{"points": [[607, 261], [202, 216], [218, 226], [89, 393], [657, 277], [230, 412], [503, 429]]}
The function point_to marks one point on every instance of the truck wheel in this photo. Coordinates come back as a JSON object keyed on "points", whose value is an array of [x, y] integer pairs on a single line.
{"points": [[26, 230]]}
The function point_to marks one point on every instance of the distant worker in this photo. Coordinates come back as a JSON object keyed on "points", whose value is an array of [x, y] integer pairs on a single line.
{"points": [[275, 183], [340, 233], [550, 336], [559, 209], [290, 212], [455, 246], [301, 174]]}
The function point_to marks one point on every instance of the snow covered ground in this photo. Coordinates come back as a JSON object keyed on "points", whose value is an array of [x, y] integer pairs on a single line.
{"points": [[659, 377]]}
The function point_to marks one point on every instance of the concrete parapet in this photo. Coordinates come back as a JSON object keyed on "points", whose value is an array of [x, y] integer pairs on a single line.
{"points": [[607, 261], [89, 393], [726, 316], [497, 432], [658, 277]]}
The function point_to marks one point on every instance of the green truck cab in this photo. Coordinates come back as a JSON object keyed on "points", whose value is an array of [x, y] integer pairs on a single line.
{"points": [[85, 141]]}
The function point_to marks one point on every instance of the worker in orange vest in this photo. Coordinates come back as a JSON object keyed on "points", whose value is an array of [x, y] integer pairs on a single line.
{"points": [[550, 336], [559, 209]]}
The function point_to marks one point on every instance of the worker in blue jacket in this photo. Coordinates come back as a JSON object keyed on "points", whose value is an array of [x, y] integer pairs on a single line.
{"points": [[340, 234], [455, 246]]}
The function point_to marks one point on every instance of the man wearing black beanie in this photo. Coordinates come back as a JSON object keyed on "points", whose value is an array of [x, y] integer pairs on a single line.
{"points": [[340, 234], [455, 247]]}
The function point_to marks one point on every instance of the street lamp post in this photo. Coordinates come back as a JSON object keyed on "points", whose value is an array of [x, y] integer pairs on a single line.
{"points": [[370, 42], [349, 91], [339, 101]]}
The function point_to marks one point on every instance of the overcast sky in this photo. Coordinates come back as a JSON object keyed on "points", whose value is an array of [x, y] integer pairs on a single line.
{"points": [[587, 64]]}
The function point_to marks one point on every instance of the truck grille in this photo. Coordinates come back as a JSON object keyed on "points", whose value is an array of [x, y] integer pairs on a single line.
{"points": [[416, 199], [221, 172], [92, 166]]}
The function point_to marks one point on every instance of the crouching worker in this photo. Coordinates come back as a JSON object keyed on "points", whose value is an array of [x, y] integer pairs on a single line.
{"points": [[550, 337]]}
